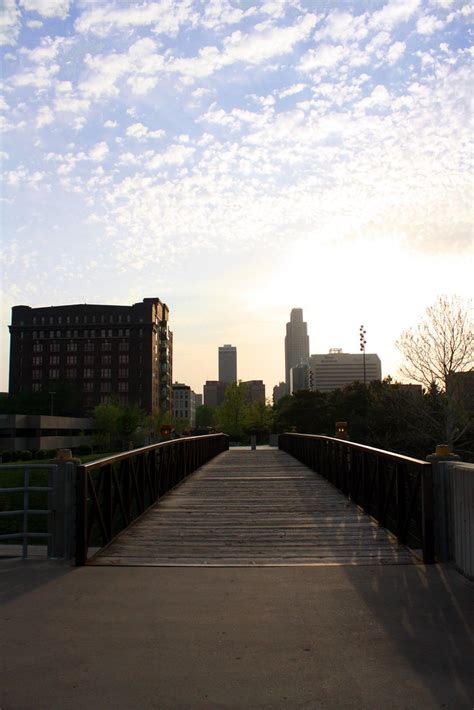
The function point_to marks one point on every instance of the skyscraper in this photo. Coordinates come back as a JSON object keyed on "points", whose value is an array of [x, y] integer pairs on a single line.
{"points": [[228, 364], [296, 343]]}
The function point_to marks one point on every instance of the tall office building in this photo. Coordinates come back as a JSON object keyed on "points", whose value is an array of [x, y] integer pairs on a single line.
{"points": [[102, 352], [338, 369], [296, 343], [228, 364]]}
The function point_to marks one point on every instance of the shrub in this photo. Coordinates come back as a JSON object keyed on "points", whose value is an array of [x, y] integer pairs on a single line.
{"points": [[26, 455], [82, 450], [6, 456]]}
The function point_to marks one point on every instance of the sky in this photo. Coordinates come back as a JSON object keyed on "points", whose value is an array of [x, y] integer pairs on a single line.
{"points": [[238, 159]]}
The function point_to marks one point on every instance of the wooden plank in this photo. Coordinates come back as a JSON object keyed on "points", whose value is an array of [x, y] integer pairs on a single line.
{"points": [[254, 509]]}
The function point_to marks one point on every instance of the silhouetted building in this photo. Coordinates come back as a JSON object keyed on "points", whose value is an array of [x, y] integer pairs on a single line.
{"points": [[228, 364], [33, 432], [337, 369], [104, 352], [296, 343], [256, 390], [214, 392], [184, 403], [300, 378], [198, 398], [460, 386], [279, 391]]}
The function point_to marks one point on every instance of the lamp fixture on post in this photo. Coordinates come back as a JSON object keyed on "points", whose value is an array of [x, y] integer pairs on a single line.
{"points": [[363, 343]]}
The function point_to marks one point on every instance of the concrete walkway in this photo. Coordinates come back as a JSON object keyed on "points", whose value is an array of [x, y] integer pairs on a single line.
{"points": [[379, 637]]}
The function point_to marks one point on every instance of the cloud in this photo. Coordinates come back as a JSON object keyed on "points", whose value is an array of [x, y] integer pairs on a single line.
{"points": [[342, 26], [99, 152], [110, 124], [9, 23], [47, 8], [292, 90], [165, 17], [34, 24], [141, 132], [395, 52], [394, 13], [428, 24], [45, 117]]}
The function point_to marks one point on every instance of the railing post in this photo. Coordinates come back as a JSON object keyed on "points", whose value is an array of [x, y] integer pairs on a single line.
{"points": [[441, 502], [62, 497], [81, 516], [428, 515]]}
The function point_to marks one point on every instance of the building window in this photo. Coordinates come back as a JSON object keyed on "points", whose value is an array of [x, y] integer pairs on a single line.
{"points": [[54, 360], [123, 346], [37, 360], [68, 319], [72, 347], [71, 360], [60, 320], [88, 359], [36, 374], [71, 373], [123, 359], [53, 374], [106, 359], [123, 371], [88, 386], [106, 346], [88, 347], [37, 348], [106, 372], [123, 386], [36, 387], [54, 348], [102, 333], [34, 321], [35, 334], [88, 373]]}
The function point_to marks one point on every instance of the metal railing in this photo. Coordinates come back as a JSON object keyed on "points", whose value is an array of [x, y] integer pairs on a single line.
{"points": [[25, 534], [396, 490], [113, 492]]}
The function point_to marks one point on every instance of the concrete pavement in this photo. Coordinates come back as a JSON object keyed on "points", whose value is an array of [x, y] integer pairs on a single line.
{"points": [[391, 637]]}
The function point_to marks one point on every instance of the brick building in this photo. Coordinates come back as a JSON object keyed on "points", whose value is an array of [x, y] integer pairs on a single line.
{"points": [[106, 352]]}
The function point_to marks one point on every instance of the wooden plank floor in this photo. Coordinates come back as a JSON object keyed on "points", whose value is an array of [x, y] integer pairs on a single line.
{"points": [[254, 508]]}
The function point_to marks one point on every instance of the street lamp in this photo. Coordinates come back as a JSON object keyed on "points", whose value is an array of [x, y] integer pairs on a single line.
{"points": [[363, 343]]}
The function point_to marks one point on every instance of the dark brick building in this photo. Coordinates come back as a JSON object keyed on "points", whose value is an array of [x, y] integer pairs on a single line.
{"points": [[123, 353]]}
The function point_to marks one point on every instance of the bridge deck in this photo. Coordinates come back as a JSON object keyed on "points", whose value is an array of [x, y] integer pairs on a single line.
{"points": [[254, 508]]}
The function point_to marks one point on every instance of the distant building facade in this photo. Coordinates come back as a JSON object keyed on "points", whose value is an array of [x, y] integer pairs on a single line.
{"points": [[337, 369], [300, 378], [184, 403], [198, 398], [214, 392], [228, 364], [256, 390], [279, 391], [104, 352], [296, 343], [33, 432]]}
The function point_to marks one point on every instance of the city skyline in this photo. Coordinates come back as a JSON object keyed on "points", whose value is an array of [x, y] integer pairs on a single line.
{"points": [[238, 160]]}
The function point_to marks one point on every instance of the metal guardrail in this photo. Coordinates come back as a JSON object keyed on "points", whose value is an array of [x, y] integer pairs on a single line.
{"points": [[25, 534], [112, 493], [396, 490]]}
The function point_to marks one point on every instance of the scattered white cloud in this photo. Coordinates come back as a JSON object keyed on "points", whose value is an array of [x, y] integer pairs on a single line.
{"points": [[9, 23], [110, 124], [395, 52], [34, 24], [394, 13], [98, 152], [428, 24], [163, 17], [47, 8], [139, 131], [45, 117], [292, 90]]}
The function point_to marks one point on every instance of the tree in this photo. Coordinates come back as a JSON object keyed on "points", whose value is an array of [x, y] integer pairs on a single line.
{"points": [[259, 419], [231, 415], [204, 416], [441, 344]]}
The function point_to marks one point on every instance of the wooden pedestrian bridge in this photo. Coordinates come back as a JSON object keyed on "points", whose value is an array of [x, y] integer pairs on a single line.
{"points": [[313, 501]]}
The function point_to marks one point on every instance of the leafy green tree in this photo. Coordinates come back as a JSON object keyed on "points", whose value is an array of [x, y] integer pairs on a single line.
{"points": [[204, 416], [231, 415], [259, 419]]}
